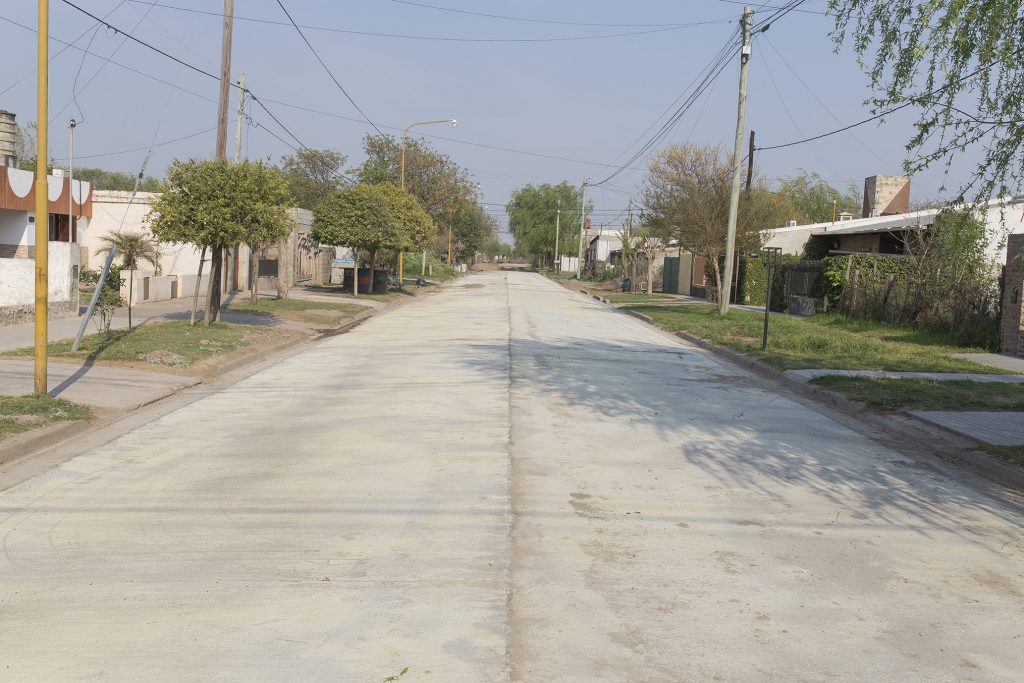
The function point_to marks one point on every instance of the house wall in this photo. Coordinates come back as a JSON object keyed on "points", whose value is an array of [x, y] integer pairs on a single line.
{"points": [[13, 228], [17, 295], [867, 243]]}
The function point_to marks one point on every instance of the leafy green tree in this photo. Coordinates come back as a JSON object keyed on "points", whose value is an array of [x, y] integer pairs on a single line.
{"points": [[101, 179], [373, 217], [532, 212], [812, 199], [959, 65], [312, 174], [134, 249], [214, 204]]}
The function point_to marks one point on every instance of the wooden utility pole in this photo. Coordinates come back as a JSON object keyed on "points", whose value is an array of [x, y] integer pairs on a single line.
{"points": [[42, 207], [750, 162], [734, 197], [217, 251]]}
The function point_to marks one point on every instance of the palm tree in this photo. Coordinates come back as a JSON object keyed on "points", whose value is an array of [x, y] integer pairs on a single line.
{"points": [[134, 248]]}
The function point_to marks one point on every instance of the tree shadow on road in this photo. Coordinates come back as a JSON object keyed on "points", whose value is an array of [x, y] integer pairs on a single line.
{"points": [[739, 429]]}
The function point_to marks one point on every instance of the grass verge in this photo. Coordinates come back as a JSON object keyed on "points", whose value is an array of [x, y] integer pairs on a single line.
{"points": [[24, 413], [337, 290], [300, 310], [174, 343], [1011, 454], [890, 394], [635, 298], [828, 342]]}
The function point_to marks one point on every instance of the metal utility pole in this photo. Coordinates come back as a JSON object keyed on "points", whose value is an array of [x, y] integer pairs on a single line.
{"points": [[217, 252], [558, 222], [42, 202], [71, 175], [241, 117], [583, 219], [734, 197]]}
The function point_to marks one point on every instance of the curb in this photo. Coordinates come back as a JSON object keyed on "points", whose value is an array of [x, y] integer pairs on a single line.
{"points": [[21, 445], [911, 429]]}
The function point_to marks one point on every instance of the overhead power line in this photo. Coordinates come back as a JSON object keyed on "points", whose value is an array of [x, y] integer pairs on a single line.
{"points": [[448, 39], [142, 149], [324, 65], [182, 62], [532, 21]]}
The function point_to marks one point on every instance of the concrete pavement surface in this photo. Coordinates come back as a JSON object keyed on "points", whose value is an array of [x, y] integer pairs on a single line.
{"points": [[101, 386], [506, 481]]}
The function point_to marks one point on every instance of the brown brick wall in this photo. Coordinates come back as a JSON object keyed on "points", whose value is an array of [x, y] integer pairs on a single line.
{"points": [[17, 251], [1013, 298]]}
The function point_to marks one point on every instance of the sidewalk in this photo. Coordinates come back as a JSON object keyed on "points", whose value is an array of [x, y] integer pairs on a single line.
{"points": [[808, 375], [103, 387]]}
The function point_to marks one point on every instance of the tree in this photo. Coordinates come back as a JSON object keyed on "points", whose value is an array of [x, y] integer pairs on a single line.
{"points": [[471, 227], [433, 178], [648, 242], [372, 217], [812, 200], [134, 249], [213, 204], [532, 212], [686, 195], [312, 174], [102, 179], [938, 57]]}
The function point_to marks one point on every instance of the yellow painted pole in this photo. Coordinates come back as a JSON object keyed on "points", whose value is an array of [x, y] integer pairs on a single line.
{"points": [[42, 201]]}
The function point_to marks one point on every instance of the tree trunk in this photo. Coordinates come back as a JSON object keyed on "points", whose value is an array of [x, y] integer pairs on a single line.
{"points": [[211, 287], [373, 262], [195, 294], [284, 260], [218, 277], [131, 280], [713, 260], [254, 265], [650, 274]]}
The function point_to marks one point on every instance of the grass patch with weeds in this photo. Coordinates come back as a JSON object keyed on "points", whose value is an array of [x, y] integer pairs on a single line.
{"points": [[345, 293], [892, 394], [825, 341], [23, 413], [636, 298], [173, 343], [300, 310], [1011, 454]]}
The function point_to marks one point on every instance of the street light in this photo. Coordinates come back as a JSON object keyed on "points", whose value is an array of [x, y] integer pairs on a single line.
{"points": [[405, 133]]}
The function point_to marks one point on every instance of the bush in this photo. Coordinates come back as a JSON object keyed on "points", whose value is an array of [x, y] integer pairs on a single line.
{"points": [[942, 282], [753, 282]]}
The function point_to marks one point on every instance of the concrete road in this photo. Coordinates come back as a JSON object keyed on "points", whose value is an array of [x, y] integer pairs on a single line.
{"points": [[506, 481]]}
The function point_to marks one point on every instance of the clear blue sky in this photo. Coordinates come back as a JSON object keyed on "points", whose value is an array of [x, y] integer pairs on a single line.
{"points": [[578, 99]]}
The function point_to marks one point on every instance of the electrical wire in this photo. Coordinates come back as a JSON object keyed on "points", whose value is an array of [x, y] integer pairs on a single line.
{"points": [[532, 21], [75, 92], [324, 65], [60, 51], [447, 39], [824, 106], [700, 84], [141, 149]]}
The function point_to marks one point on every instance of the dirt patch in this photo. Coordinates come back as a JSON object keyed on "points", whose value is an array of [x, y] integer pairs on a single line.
{"points": [[165, 357]]}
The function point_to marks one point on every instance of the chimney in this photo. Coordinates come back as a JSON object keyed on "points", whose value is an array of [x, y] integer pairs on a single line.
{"points": [[8, 139], [886, 195]]}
